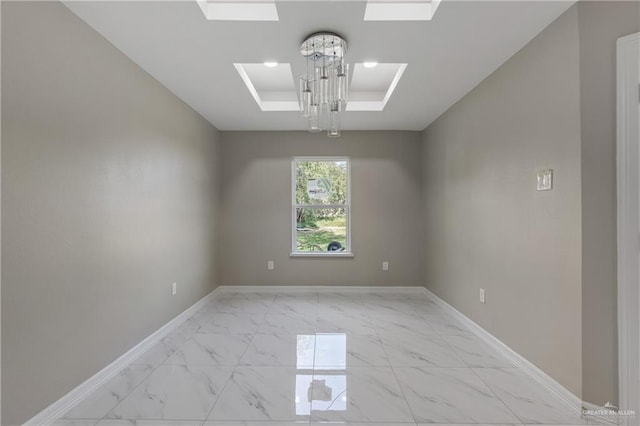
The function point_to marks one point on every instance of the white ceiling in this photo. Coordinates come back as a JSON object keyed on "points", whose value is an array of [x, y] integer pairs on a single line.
{"points": [[194, 57]]}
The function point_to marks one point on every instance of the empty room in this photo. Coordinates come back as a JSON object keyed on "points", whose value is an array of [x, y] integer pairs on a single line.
{"points": [[287, 212]]}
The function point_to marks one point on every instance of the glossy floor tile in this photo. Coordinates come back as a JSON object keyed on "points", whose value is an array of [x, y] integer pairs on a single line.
{"points": [[451, 395], [358, 394], [266, 394], [134, 422], [530, 402], [288, 323], [110, 394], [414, 350], [329, 358], [474, 352], [241, 423], [174, 392], [281, 350], [341, 350], [211, 349], [230, 323]]}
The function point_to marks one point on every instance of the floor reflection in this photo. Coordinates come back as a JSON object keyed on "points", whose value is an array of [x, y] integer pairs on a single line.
{"points": [[326, 392], [330, 392], [305, 348], [303, 401], [331, 351]]}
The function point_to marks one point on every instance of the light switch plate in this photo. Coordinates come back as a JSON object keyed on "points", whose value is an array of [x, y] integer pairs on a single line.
{"points": [[545, 180], [270, 265], [482, 296]]}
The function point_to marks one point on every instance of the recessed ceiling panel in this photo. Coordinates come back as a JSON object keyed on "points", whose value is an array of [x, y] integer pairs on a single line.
{"points": [[272, 87], [239, 10], [371, 87], [400, 10], [193, 57]]}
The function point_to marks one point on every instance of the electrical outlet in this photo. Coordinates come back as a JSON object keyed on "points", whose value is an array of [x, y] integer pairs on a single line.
{"points": [[174, 289], [385, 265], [270, 265], [482, 296]]}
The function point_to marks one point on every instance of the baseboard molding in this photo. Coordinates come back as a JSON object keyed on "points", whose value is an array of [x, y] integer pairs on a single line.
{"points": [[552, 386], [227, 289], [64, 404]]}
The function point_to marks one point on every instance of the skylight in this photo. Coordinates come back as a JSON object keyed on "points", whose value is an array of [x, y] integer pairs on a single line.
{"points": [[239, 10], [400, 10]]}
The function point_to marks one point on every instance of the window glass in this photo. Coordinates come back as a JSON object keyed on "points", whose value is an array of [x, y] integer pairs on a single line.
{"points": [[321, 206]]}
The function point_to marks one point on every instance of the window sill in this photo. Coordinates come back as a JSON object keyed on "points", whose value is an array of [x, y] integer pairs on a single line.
{"points": [[322, 254]]}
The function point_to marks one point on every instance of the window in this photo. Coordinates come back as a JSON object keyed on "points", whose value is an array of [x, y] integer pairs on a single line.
{"points": [[320, 206]]}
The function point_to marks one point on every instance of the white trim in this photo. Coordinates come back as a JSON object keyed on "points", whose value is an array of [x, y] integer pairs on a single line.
{"points": [[322, 254], [247, 81], [561, 393], [230, 289], [628, 227], [394, 83], [75, 396]]}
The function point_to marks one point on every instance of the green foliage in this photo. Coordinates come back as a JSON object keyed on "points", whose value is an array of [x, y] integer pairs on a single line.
{"points": [[333, 222], [318, 240], [334, 172], [306, 218]]}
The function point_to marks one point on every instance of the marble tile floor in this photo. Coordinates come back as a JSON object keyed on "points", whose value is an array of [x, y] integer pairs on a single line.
{"points": [[276, 359]]}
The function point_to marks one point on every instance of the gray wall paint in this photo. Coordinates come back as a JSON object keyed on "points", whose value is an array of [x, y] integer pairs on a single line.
{"points": [[488, 227], [386, 209], [108, 196], [601, 23]]}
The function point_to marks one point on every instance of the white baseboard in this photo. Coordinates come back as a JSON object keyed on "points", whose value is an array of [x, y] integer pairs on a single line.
{"points": [[64, 404], [552, 386], [226, 289]]}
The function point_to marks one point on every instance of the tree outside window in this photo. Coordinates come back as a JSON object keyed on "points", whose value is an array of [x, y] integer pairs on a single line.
{"points": [[321, 205]]}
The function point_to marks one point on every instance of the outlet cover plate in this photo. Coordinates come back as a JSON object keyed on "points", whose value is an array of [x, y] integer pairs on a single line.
{"points": [[545, 180]]}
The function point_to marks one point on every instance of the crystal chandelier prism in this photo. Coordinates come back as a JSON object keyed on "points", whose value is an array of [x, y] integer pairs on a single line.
{"points": [[324, 88]]}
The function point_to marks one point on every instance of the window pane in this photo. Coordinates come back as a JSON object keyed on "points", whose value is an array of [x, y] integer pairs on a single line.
{"points": [[321, 182], [321, 230]]}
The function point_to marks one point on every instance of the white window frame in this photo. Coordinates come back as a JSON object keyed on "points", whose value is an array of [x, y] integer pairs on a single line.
{"points": [[348, 251]]}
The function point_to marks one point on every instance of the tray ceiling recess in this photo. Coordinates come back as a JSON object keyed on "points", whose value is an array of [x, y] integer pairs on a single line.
{"points": [[274, 88], [271, 85], [194, 57], [266, 10]]}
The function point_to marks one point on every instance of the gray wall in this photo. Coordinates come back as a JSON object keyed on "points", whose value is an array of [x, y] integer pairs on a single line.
{"points": [[109, 194], [601, 23], [386, 209], [487, 226]]}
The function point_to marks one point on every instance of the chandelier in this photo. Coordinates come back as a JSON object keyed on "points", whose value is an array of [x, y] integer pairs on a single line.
{"points": [[324, 88]]}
